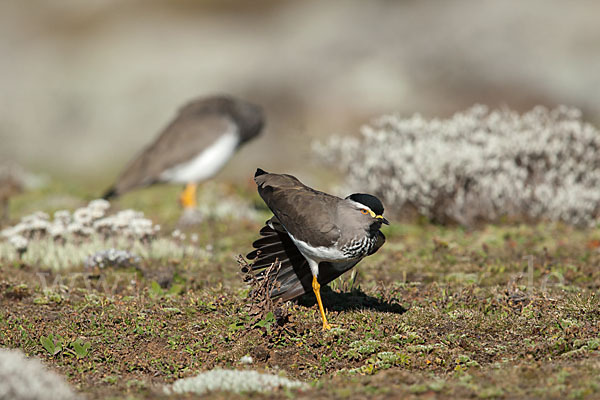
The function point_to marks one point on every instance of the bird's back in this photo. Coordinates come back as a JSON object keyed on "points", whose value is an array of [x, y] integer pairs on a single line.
{"points": [[306, 214]]}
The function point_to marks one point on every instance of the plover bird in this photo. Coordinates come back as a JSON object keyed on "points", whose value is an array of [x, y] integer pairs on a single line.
{"points": [[315, 236], [193, 147]]}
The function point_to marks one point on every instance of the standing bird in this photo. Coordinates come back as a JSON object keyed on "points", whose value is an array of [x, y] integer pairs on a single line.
{"points": [[193, 147], [315, 236]]}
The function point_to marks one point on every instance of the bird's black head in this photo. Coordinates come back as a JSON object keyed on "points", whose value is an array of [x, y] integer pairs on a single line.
{"points": [[372, 206], [368, 200], [371, 203]]}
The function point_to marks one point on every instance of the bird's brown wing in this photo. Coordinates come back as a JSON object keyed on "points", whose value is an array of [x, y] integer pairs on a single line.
{"points": [[306, 214], [183, 139]]}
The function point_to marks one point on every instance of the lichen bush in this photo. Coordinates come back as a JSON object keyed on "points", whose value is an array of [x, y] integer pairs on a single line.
{"points": [[479, 165], [91, 237], [236, 381], [23, 378], [111, 257]]}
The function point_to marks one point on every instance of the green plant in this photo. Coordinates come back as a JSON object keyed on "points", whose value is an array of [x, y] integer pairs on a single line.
{"points": [[52, 344], [81, 348], [267, 322]]}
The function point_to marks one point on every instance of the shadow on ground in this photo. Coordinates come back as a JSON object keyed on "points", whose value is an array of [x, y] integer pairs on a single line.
{"points": [[356, 299]]}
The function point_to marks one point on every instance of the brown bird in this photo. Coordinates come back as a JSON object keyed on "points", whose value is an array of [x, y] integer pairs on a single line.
{"points": [[196, 145], [315, 236]]}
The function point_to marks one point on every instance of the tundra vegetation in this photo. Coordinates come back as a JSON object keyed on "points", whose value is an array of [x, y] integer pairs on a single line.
{"points": [[499, 302]]}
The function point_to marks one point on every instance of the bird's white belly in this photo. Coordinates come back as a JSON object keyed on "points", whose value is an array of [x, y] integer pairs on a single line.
{"points": [[206, 164], [320, 253]]}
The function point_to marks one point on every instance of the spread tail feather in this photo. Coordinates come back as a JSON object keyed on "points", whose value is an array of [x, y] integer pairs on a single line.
{"points": [[274, 245]]}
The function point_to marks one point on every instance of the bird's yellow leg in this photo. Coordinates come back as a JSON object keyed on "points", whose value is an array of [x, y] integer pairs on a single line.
{"points": [[317, 289], [188, 196]]}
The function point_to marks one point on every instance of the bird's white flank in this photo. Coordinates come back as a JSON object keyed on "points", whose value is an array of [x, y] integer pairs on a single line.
{"points": [[314, 255], [206, 164]]}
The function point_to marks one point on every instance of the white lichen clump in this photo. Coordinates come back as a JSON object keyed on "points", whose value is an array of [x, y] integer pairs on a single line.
{"points": [[90, 237], [478, 165], [113, 258], [84, 222], [232, 381], [247, 360], [23, 378]]}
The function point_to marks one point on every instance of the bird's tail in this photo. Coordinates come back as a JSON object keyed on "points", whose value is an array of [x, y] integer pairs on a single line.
{"points": [[275, 246]]}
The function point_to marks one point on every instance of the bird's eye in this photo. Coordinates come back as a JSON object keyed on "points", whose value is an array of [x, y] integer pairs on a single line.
{"points": [[362, 210]]}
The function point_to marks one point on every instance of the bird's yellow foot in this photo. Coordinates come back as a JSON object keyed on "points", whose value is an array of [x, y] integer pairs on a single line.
{"points": [[317, 289], [188, 196]]}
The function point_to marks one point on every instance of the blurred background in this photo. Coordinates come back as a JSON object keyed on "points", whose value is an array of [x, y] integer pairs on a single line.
{"points": [[86, 84]]}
